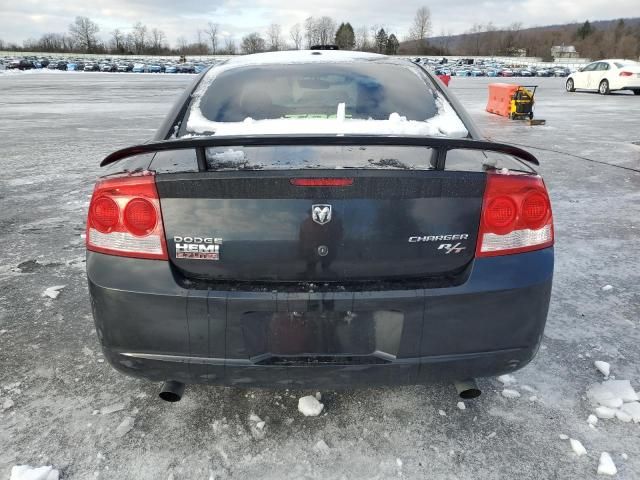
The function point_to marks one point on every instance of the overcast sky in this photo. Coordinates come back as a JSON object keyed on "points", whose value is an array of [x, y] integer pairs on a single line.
{"points": [[22, 19]]}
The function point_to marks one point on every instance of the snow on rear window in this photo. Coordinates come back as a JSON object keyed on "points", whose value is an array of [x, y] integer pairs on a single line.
{"points": [[323, 98]]}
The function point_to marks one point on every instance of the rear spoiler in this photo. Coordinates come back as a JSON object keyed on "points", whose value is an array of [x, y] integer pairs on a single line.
{"points": [[442, 145]]}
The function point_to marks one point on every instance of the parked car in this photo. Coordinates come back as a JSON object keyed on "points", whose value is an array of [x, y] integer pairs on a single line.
{"points": [[138, 68], [21, 64], [186, 68], [124, 67], [505, 72], [155, 68], [170, 68], [250, 257], [606, 76], [108, 67], [91, 67]]}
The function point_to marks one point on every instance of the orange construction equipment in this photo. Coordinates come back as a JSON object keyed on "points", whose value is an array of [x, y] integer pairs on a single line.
{"points": [[500, 96]]}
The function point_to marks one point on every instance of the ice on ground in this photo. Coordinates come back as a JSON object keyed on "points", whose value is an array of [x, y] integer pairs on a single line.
{"points": [[26, 472], [53, 292], [491, 435], [442, 413], [309, 406], [461, 405], [116, 407], [603, 367], [612, 393], [633, 410], [508, 393], [577, 447], [125, 426], [507, 379], [399, 463], [260, 425], [607, 288], [606, 466], [605, 412], [563, 436], [592, 420], [318, 396], [623, 416], [321, 447], [7, 404], [254, 418]]}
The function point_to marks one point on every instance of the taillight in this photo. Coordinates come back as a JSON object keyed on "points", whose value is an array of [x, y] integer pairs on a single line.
{"points": [[124, 218], [321, 182], [626, 74], [516, 215]]}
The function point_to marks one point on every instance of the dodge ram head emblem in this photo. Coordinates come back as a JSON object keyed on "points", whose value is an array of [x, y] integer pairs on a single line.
{"points": [[321, 214]]}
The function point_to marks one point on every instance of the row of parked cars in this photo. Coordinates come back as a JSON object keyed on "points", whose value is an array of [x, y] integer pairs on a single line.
{"points": [[489, 68], [106, 65]]}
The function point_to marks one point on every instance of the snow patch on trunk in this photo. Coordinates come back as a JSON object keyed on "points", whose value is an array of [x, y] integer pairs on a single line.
{"points": [[26, 472]]}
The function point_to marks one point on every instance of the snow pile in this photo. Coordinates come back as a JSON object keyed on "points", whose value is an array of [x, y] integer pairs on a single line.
{"points": [[461, 406], [321, 447], [603, 367], [615, 398], [606, 466], [53, 292], [577, 447], [309, 406], [607, 288], [445, 124], [507, 379], [26, 472], [125, 427], [509, 393]]}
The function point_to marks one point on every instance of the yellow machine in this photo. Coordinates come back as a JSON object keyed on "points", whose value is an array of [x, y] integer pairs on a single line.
{"points": [[521, 106]]}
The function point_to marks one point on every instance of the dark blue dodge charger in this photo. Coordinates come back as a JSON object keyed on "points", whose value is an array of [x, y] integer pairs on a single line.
{"points": [[319, 219]]}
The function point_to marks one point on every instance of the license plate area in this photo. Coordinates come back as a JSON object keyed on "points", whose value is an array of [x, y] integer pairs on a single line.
{"points": [[322, 337]]}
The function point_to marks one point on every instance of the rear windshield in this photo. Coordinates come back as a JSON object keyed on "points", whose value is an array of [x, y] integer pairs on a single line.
{"points": [[626, 64], [319, 157], [315, 91]]}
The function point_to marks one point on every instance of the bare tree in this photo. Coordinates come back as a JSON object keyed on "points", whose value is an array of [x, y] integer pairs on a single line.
{"points": [[420, 28], [182, 44], [212, 33], [118, 41], [230, 47], [326, 30], [362, 38], [201, 46], [139, 37], [274, 37], [310, 31], [84, 31], [253, 43], [158, 39], [296, 36]]}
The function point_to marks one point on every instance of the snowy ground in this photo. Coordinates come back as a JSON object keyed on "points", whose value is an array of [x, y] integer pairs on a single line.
{"points": [[62, 405]]}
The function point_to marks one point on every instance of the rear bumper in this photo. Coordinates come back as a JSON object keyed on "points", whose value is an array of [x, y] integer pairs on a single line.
{"points": [[152, 327]]}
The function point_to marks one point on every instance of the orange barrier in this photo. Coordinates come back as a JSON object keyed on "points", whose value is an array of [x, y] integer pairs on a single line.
{"points": [[500, 96], [445, 79]]}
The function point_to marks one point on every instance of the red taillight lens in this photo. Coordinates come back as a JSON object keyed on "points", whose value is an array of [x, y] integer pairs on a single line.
{"points": [[104, 214], [516, 215], [626, 74], [321, 182], [125, 220], [140, 216], [501, 212]]}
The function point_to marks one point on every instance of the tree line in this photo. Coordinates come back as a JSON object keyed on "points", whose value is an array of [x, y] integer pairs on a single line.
{"points": [[84, 36], [614, 40]]}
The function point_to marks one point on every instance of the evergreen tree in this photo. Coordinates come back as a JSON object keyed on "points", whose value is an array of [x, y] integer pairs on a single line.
{"points": [[345, 37], [392, 45], [381, 40], [585, 30]]}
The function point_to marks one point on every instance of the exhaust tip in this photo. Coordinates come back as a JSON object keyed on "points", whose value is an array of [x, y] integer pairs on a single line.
{"points": [[470, 393], [468, 389], [171, 391]]}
